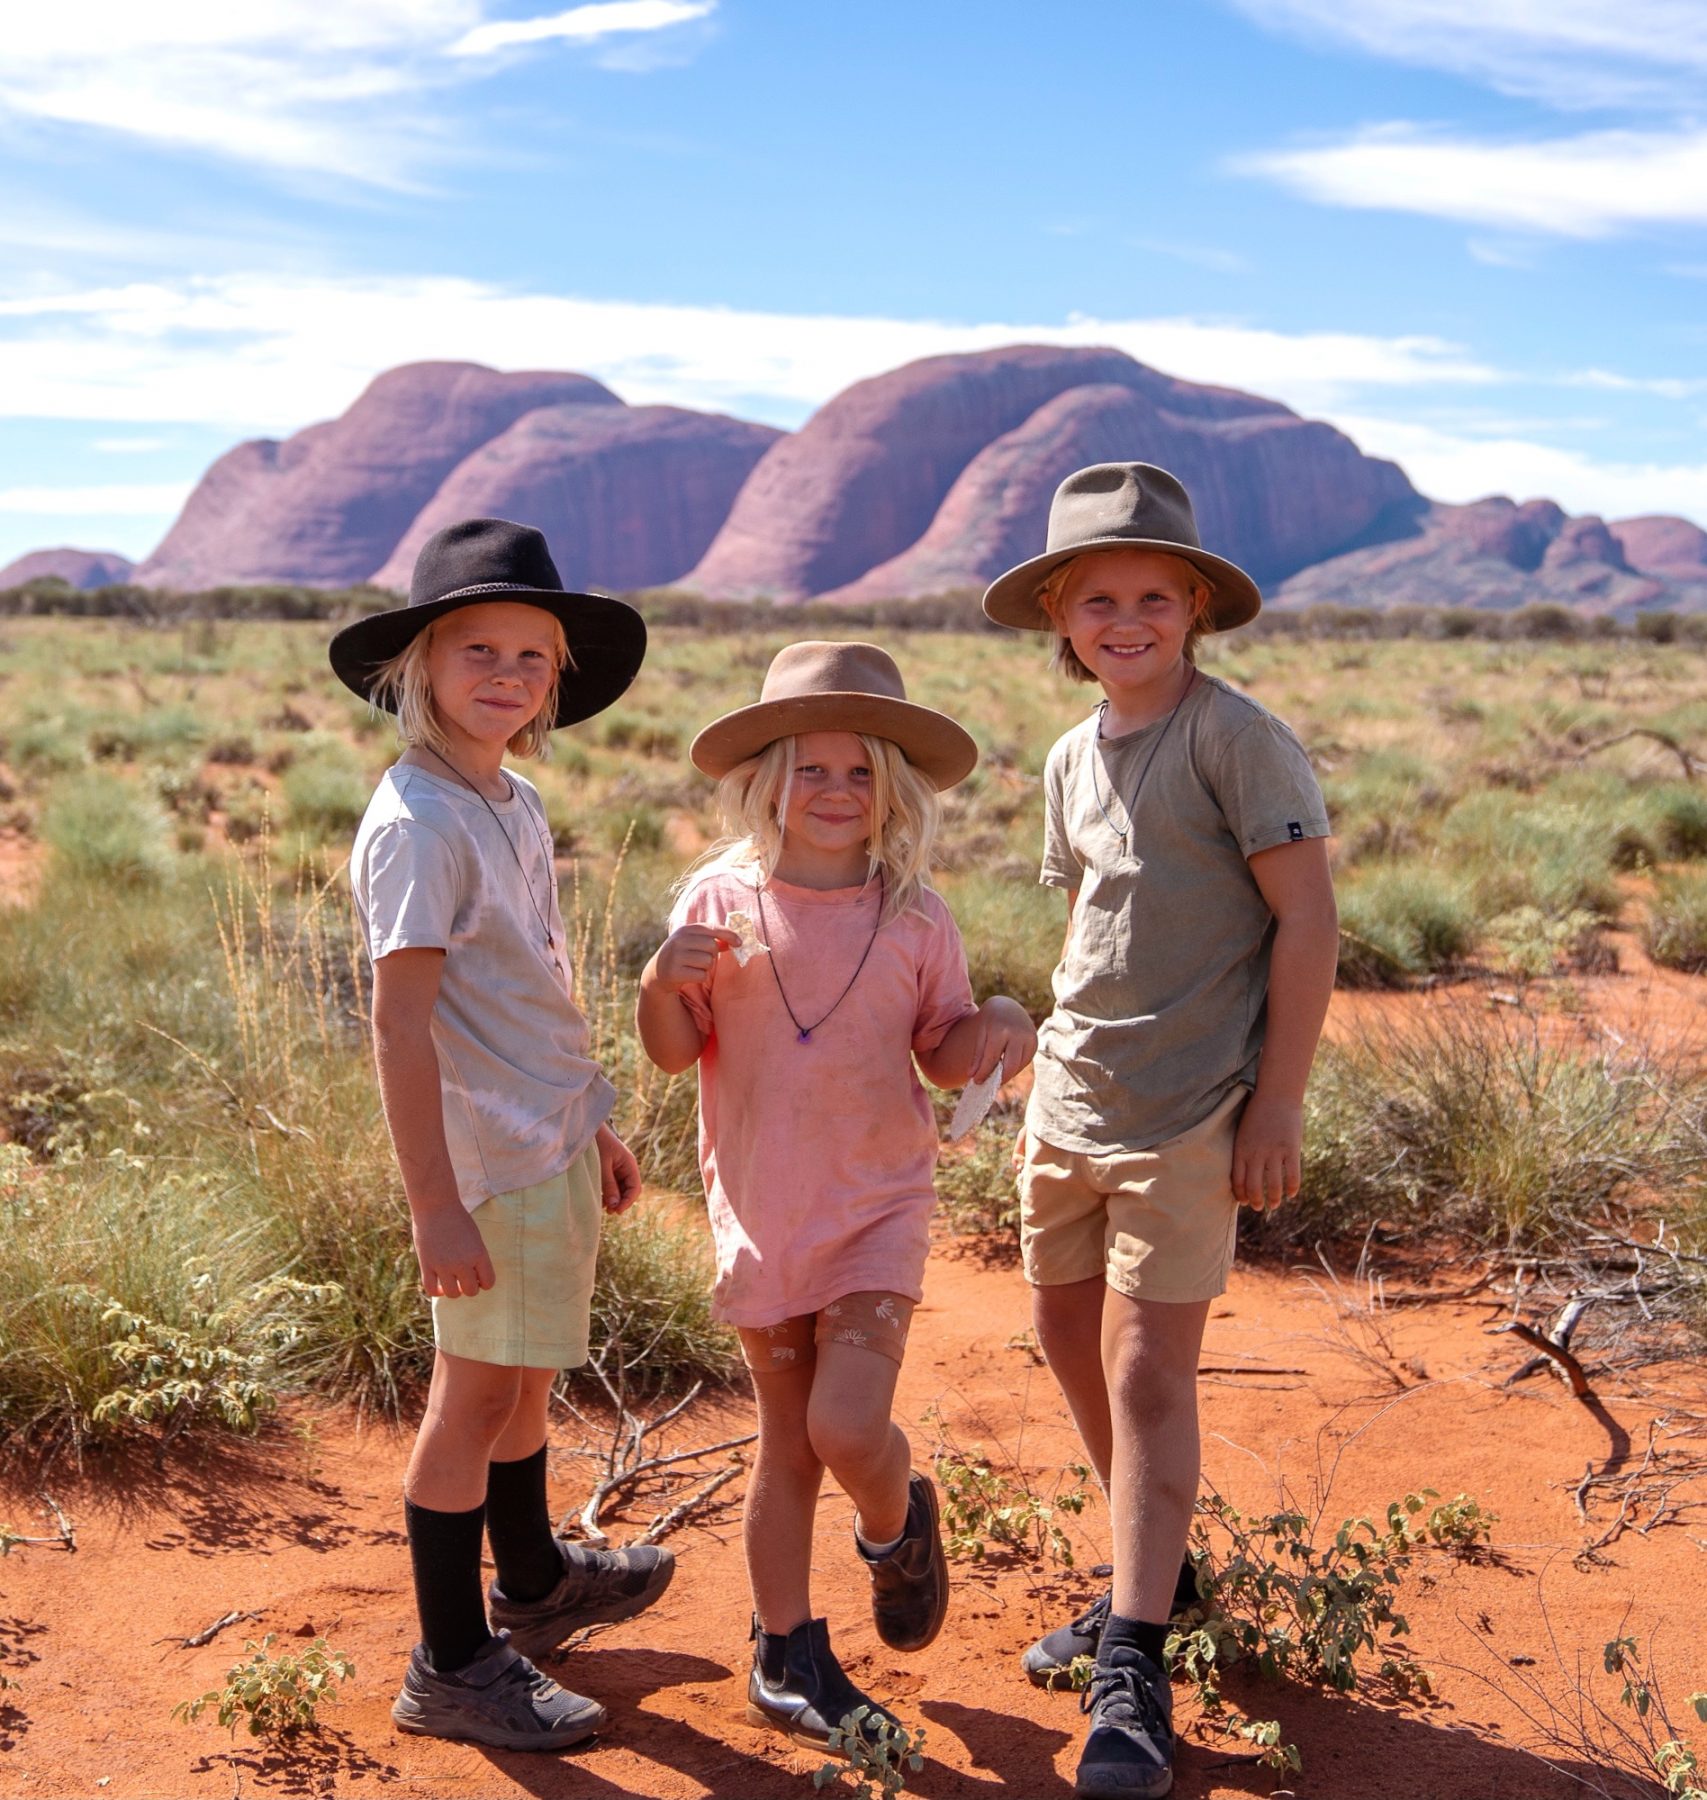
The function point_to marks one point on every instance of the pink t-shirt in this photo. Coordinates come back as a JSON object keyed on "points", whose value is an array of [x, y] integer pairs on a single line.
{"points": [[818, 1157]]}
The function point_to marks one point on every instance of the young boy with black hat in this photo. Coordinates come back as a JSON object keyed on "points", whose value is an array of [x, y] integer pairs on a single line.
{"points": [[496, 1110], [1186, 827]]}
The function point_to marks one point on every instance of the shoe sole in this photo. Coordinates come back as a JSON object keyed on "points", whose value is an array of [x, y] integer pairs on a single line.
{"points": [[803, 1739], [1053, 1676], [545, 1643], [1113, 1785], [936, 1623], [563, 1739]]}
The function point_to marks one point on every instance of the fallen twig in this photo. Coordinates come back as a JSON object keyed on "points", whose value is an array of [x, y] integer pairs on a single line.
{"points": [[1554, 1347], [208, 1632], [667, 1522], [611, 1484]]}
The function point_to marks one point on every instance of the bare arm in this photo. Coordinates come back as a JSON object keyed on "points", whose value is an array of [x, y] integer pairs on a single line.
{"points": [[447, 1241], [668, 1030], [1268, 1153], [1000, 1031]]}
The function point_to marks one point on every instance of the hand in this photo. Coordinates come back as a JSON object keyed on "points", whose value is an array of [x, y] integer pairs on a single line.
{"points": [[689, 955], [619, 1173], [1006, 1035], [451, 1252], [1268, 1153], [1018, 1157]]}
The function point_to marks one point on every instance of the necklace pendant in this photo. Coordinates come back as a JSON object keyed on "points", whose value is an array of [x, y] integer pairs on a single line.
{"points": [[803, 1036]]}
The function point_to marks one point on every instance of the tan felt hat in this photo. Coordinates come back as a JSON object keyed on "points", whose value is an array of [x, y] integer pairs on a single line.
{"points": [[1120, 506], [837, 687]]}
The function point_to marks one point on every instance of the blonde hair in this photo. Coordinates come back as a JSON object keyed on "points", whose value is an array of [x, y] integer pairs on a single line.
{"points": [[906, 812], [402, 683], [1065, 658]]}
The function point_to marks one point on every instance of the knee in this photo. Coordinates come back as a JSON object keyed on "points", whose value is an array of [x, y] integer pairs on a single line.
{"points": [[1148, 1390], [789, 1453], [480, 1408], [847, 1440]]}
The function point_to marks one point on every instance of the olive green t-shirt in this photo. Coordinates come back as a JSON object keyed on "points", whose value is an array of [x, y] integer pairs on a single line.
{"points": [[1161, 993]]}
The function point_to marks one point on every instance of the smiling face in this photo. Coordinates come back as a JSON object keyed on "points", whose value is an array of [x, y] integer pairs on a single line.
{"points": [[490, 669], [827, 817], [1128, 615]]}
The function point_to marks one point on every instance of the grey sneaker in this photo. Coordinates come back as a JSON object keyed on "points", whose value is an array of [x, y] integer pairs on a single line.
{"points": [[1049, 1659], [598, 1587], [499, 1699], [1129, 1754]]}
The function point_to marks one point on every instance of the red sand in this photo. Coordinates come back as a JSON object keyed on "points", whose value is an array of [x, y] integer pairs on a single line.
{"points": [[301, 1529]]}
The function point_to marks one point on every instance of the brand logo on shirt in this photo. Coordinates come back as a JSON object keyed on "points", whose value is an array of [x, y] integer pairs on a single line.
{"points": [[1294, 830]]}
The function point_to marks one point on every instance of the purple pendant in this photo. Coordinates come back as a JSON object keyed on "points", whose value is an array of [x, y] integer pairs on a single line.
{"points": [[804, 1036]]}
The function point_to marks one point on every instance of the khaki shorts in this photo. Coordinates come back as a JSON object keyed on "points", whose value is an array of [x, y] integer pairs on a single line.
{"points": [[872, 1321], [1156, 1224], [544, 1245]]}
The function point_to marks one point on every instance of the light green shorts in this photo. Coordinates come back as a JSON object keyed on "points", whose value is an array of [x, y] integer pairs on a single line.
{"points": [[544, 1245]]}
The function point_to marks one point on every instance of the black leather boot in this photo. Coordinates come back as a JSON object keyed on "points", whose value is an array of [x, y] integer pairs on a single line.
{"points": [[798, 1688], [909, 1586]]}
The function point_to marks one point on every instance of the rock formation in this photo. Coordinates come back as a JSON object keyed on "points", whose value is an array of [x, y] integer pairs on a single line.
{"points": [[628, 497], [328, 505], [80, 568], [1662, 545]]}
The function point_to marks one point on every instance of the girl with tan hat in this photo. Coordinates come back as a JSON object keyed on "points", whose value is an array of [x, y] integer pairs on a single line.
{"points": [[808, 968]]}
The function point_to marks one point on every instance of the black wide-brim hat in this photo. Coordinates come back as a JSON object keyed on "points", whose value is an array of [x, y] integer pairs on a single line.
{"points": [[478, 560]]}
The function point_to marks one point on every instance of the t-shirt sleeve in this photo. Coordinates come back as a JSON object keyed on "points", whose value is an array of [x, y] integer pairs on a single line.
{"points": [[700, 905], [1266, 788], [945, 987], [414, 887], [1061, 868]]}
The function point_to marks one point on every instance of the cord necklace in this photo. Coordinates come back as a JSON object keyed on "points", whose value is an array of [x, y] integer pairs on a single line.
{"points": [[803, 1033], [545, 842], [1122, 832]]}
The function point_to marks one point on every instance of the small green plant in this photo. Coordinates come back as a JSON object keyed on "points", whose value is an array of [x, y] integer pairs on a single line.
{"points": [[223, 1364], [274, 1695], [877, 1763], [1677, 1764], [976, 1190], [1269, 1595], [984, 1507], [1074, 1676], [1674, 933]]}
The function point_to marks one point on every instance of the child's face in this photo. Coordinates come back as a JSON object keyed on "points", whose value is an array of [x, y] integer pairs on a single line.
{"points": [[1126, 613], [829, 800], [490, 668]]}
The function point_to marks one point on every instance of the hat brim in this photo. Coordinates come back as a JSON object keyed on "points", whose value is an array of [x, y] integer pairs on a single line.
{"points": [[942, 751], [1011, 599], [606, 637]]}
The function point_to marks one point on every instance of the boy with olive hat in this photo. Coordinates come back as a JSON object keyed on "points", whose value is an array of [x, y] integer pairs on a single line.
{"points": [[497, 1112], [1186, 827]]}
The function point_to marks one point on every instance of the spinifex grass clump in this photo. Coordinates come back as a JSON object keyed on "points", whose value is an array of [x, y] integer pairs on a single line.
{"points": [[1403, 919], [108, 828], [1674, 932], [1477, 1122]]}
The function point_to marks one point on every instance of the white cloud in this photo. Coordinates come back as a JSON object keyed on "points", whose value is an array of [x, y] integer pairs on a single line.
{"points": [[115, 499], [1662, 387], [129, 446], [1454, 466], [255, 352], [581, 24], [291, 85], [1567, 52], [1588, 186]]}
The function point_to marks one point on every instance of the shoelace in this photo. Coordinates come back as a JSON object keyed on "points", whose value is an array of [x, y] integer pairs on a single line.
{"points": [[1125, 1694], [1094, 1617]]}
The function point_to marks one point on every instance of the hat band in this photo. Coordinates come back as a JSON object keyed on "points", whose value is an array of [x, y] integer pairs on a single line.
{"points": [[491, 587]]}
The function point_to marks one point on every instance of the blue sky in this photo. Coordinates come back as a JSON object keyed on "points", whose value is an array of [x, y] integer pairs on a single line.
{"points": [[1472, 233]]}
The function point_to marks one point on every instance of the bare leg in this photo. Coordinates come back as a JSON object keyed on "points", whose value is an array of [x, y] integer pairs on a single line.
{"points": [[857, 1440], [525, 1431], [1068, 1320], [1150, 1350], [782, 1499], [469, 1407]]}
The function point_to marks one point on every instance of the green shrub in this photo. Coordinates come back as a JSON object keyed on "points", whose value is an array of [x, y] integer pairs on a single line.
{"points": [[101, 826], [1473, 1122], [1400, 919], [1012, 928], [325, 794], [1682, 818], [1674, 931], [975, 1185]]}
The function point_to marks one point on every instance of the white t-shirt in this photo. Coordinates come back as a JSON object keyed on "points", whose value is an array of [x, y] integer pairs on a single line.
{"points": [[433, 868]]}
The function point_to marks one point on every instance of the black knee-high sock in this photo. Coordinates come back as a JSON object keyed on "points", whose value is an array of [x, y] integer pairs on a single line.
{"points": [[518, 1521], [1135, 1634], [444, 1548]]}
